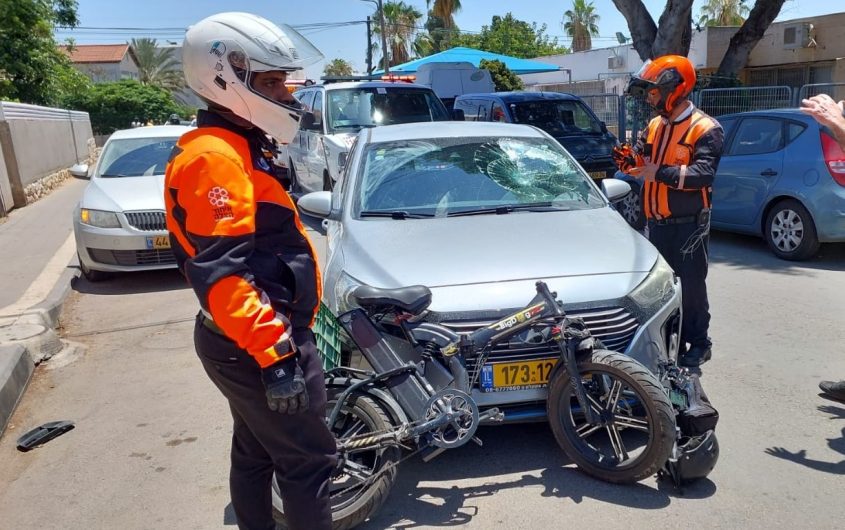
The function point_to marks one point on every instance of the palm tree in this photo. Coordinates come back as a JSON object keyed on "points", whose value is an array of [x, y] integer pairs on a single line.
{"points": [[581, 23], [338, 67], [723, 13], [157, 66], [444, 10], [400, 20]]}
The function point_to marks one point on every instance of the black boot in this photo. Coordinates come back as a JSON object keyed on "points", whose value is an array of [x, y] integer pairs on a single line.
{"points": [[696, 356], [834, 389]]}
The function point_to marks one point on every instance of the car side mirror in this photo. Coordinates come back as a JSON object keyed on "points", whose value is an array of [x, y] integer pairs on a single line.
{"points": [[316, 204], [615, 189], [458, 115], [79, 171], [603, 127], [308, 121]]}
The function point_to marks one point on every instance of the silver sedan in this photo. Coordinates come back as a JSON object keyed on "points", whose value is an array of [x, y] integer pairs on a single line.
{"points": [[478, 212], [119, 222]]}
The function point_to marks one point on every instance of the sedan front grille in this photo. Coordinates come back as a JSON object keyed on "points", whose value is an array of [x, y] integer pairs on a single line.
{"points": [[147, 221], [132, 257], [614, 326]]}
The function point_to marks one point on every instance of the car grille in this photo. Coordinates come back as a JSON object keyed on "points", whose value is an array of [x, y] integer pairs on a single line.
{"points": [[132, 257], [148, 221], [614, 326]]}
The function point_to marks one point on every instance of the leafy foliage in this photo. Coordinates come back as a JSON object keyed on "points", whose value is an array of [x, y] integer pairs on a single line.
{"points": [[116, 105], [32, 68], [400, 20], [157, 66], [581, 23], [338, 67], [510, 36], [723, 13], [503, 78]]}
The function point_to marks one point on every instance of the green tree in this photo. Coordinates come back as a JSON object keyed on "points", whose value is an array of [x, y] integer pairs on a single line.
{"points": [[114, 106], [32, 67], [157, 66], [510, 36], [503, 78], [723, 13], [672, 33], [337, 67], [581, 23], [400, 20], [445, 11]]}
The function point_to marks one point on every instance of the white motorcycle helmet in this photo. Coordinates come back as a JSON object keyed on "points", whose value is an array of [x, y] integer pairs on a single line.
{"points": [[222, 52]]}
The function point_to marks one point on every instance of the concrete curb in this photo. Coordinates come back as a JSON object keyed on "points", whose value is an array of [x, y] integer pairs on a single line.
{"points": [[28, 340]]}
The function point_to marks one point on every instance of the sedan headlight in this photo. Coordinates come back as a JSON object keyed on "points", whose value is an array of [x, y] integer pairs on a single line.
{"points": [[99, 218], [343, 291], [657, 285]]}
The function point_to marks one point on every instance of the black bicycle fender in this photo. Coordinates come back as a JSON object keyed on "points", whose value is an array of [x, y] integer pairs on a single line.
{"points": [[383, 397]]}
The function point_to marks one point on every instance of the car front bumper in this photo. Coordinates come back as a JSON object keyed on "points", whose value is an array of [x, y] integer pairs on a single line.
{"points": [[121, 249]]}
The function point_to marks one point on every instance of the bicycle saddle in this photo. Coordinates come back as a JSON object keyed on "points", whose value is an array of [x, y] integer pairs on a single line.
{"points": [[413, 299]]}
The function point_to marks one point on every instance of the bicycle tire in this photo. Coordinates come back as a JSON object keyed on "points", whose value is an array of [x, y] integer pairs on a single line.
{"points": [[660, 419]]}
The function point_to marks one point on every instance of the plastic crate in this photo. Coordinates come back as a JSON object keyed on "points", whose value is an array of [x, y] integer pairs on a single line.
{"points": [[327, 331]]}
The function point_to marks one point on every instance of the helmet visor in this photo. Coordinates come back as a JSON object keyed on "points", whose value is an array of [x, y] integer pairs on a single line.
{"points": [[289, 51], [640, 84]]}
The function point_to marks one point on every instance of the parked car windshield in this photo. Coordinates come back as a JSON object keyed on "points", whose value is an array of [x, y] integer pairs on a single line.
{"points": [[352, 109], [557, 118], [441, 177], [136, 157]]}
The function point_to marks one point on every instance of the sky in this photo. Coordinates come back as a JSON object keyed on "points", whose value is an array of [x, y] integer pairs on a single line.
{"points": [[169, 18]]}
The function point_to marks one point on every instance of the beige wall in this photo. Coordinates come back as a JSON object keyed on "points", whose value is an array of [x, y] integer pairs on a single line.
{"points": [[6, 199], [830, 39], [38, 141]]}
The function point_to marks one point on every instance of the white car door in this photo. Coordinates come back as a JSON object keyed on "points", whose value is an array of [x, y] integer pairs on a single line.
{"points": [[315, 157], [298, 147]]}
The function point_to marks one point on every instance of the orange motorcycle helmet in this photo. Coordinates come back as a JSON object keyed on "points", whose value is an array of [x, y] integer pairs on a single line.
{"points": [[673, 76]]}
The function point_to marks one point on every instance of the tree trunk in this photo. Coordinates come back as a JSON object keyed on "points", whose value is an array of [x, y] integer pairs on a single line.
{"points": [[642, 26], [674, 29], [749, 34]]}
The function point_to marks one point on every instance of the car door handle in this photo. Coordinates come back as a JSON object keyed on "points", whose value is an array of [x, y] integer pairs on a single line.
{"points": [[769, 173]]}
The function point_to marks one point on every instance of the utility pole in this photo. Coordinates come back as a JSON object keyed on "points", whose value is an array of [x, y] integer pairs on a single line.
{"points": [[369, 48]]}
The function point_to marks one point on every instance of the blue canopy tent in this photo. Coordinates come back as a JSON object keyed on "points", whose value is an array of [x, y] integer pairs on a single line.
{"points": [[514, 64]]}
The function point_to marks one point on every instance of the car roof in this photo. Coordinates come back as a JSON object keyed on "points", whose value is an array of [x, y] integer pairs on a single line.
{"points": [[520, 97], [156, 131], [368, 84], [448, 129]]}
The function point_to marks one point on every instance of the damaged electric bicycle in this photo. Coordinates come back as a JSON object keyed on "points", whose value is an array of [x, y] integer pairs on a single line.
{"points": [[611, 416]]}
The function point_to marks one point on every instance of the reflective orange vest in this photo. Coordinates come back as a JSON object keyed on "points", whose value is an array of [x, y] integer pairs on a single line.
{"points": [[238, 238], [686, 188]]}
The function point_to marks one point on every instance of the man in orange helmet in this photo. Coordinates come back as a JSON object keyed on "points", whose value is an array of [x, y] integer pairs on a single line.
{"points": [[676, 159]]}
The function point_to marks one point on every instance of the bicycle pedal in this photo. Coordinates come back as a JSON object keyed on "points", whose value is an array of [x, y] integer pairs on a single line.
{"points": [[493, 415], [478, 441]]}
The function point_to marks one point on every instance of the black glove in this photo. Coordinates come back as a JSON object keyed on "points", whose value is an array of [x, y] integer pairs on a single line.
{"points": [[285, 386]]}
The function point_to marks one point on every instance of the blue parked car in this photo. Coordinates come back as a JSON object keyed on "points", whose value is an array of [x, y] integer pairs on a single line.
{"points": [[782, 177]]}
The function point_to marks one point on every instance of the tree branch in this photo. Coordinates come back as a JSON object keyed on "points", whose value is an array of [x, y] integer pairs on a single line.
{"points": [[749, 34], [673, 26], [642, 26]]}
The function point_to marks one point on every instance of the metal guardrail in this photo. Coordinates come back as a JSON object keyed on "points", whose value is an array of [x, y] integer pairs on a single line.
{"points": [[22, 111]]}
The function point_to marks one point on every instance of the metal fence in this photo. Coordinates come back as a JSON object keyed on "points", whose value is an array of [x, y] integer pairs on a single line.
{"points": [[609, 109], [834, 90], [719, 101]]}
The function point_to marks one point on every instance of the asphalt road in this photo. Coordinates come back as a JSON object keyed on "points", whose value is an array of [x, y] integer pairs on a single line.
{"points": [[151, 442]]}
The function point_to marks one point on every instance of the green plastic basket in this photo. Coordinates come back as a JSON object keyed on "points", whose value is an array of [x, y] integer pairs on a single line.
{"points": [[327, 331]]}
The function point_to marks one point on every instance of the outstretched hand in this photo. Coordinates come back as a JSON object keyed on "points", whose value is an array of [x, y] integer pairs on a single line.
{"points": [[781, 452], [825, 111]]}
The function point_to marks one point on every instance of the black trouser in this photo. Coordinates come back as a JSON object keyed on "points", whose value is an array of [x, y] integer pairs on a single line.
{"points": [[684, 246], [299, 448]]}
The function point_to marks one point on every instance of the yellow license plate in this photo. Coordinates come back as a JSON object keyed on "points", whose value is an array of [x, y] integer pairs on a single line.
{"points": [[521, 375], [597, 174], [158, 242]]}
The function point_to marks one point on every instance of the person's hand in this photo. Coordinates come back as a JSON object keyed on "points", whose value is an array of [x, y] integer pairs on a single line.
{"points": [[781, 452], [825, 110], [284, 383], [646, 172], [625, 157]]}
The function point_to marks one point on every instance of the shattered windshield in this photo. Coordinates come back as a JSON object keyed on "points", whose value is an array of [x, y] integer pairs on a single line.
{"points": [[450, 176]]}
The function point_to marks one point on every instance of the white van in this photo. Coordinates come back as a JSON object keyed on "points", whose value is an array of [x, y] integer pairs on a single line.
{"points": [[452, 79], [317, 154]]}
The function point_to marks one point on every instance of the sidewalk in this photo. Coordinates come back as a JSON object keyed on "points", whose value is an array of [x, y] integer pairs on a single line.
{"points": [[38, 266]]}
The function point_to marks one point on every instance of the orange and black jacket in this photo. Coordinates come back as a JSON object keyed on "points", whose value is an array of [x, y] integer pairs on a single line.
{"points": [[687, 152], [237, 236]]}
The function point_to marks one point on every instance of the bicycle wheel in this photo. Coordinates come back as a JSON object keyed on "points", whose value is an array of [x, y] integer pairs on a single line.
{"points": [[637, 429], [355, 495]]}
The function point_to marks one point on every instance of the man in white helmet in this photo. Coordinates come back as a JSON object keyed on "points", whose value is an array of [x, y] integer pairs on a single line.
{"points": [[239, 242]]}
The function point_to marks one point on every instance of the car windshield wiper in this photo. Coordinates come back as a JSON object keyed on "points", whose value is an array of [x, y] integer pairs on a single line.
{"points": [[395, 214], [508, 208], [113, 175]]}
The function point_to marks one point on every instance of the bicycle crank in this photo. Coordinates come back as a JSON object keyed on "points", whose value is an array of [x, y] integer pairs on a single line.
{"points": [[458, 413]]}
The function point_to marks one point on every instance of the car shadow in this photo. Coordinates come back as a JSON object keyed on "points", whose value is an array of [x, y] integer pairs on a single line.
{"points": [[508, 451], [133, 283], [751, 252]]}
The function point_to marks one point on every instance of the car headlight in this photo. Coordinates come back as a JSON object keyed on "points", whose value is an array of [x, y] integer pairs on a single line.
{"points": [[99, 218], [657, 285], [343, 291]]}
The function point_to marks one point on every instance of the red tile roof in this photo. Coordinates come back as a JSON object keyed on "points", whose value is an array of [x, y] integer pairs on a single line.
{"points": [[97, 53]]}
